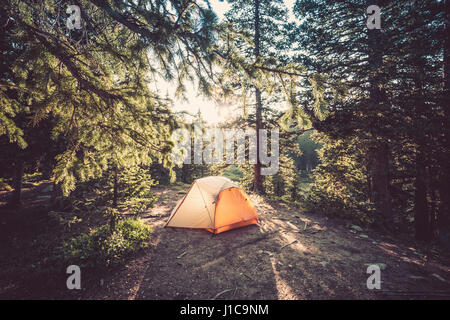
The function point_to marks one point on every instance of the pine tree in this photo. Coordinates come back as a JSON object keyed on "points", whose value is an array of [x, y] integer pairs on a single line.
{"points": [[381, 89], [94, 81], [263, 43]]}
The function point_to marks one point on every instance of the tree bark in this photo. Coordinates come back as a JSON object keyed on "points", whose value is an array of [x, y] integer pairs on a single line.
{"points": [[422, 217], [379, 175], [257, 178], [115, 189], [186, 173], [444, 190], [421, 211], [379, 162], [57, 196], [112, 221]]}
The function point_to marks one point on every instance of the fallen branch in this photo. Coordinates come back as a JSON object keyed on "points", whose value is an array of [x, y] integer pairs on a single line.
{"points": [[248, 277], [286, 245], [221, 293], [181, 255]]}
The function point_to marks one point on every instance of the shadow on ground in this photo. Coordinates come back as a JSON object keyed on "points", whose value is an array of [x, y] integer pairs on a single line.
{"points": [[289, 255]]}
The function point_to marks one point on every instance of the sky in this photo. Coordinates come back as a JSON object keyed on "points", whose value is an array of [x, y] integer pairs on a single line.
{"points": [[211, 112]]}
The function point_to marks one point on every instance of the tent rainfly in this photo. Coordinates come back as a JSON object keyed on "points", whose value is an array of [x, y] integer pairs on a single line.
{"points": [[215, 204]]}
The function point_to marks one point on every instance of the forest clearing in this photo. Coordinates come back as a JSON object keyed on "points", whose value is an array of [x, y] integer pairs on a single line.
{"points": [[290, 254], [225, 149]]}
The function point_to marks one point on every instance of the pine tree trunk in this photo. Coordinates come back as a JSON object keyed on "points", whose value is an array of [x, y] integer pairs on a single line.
{"points": [[115, 189], [379, 175], [57, 196], [257, 178], [379, 162], [433, 194], [18, 178], [185, 173], [444, 192], [421, 211], [112, 221], [422, 221], [369, 185]]}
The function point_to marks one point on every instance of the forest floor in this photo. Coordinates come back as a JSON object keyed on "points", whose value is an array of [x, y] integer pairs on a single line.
{"points": [[289, 255]]}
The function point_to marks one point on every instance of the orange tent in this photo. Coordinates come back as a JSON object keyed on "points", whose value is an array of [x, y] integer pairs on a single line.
{"points": [[215, 204]]}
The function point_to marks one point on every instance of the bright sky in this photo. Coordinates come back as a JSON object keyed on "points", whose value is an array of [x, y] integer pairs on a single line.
{"points": [[209, 109]]}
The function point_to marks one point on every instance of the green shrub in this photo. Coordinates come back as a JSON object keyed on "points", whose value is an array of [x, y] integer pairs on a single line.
{"points": [[100, 248], [233, 173], [345, 205], [339, 186]]}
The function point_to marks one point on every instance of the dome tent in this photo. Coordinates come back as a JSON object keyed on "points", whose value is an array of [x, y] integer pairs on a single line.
{"points": [[216, 204]]}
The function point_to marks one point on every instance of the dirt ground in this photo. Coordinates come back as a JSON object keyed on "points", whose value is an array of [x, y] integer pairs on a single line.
{"points": [[289, 255]]}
